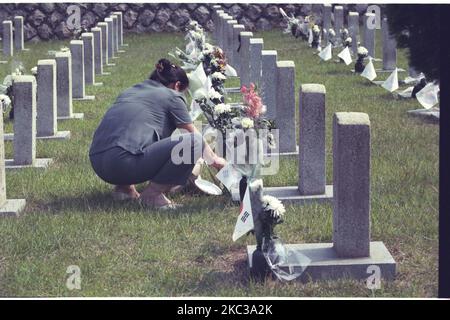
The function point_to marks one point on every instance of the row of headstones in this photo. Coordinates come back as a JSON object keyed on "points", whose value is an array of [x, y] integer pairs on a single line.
{"points": [[255, 65], [388, 41], [350, 192], [40, 101]]}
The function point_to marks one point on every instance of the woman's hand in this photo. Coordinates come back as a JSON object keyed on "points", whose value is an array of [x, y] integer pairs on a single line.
{"points": [[208, 154]]}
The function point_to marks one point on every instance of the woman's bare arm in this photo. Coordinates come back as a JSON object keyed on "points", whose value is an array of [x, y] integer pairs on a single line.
{"points": [[208, 154]]}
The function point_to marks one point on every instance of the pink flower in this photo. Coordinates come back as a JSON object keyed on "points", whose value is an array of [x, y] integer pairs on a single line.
{"points": [[252, 101]]}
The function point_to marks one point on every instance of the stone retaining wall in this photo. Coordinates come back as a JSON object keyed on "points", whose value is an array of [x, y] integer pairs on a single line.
{"points": [[47, 21]]}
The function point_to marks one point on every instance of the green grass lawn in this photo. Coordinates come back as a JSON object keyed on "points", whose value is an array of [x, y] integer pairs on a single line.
{"points": [[127, 250]]}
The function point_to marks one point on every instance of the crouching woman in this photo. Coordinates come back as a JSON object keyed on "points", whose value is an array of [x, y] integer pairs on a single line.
{"points": [[133, 142]]}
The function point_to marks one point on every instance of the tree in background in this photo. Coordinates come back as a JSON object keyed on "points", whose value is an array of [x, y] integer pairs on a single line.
{"points": [[417, 27]]}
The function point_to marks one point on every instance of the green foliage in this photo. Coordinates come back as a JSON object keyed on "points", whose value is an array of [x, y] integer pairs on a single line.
{"points": [[417, 27]]}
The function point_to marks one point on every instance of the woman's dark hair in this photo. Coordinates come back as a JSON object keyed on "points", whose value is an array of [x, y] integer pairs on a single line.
{"points": [[166, 73]]}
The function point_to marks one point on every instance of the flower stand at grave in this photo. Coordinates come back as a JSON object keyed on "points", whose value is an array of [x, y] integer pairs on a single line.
{"points": [[352, 254], [359, 64], [269, 255]]}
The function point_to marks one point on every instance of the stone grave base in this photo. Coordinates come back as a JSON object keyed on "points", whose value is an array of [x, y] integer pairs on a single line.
{"points": [[121, 51], [73, 116], [110, 64], [60, 135], [105, 74], [97, 84], [41, 163], [326, 265], [389, 70], [373, 59], [425, 113], [291, 194], [124, 45], [25, 49], [404, 94], [85, 98], [233, 90], [12, 207], [280, 154]]}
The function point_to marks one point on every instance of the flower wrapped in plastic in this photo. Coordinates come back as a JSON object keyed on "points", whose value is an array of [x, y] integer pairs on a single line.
{"points": [[362, 54], [293, 24], [332, 37], [344, 35]]}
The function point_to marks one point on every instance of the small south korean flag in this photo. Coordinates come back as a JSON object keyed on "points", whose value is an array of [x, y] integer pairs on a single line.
{"points": [[244, 222], [326, 54], [369, 71], [391, 83], [346, 56], [428, 96]]}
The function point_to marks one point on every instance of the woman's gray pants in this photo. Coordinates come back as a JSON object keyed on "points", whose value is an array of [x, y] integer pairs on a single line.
{"points": [[157, 163]]}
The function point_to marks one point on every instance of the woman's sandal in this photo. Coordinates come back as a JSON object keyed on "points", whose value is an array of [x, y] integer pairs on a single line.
{"points": [[169, 206], [122, 196], [188, 188]]}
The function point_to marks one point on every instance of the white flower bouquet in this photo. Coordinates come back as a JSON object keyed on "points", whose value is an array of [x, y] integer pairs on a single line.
{"points": [[348, 42], [315, 36], [6, 89], [332, 36], [362, 54]]}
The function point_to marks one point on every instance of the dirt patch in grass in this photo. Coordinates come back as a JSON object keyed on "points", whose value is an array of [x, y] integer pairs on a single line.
{"points": [[230, 267]]}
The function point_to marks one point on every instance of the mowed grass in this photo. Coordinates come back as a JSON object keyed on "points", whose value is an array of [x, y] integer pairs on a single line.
{"points": [[127, 250]]}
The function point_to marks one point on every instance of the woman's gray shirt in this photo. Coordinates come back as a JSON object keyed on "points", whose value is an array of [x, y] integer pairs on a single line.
{"points": [[141, 115]]}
